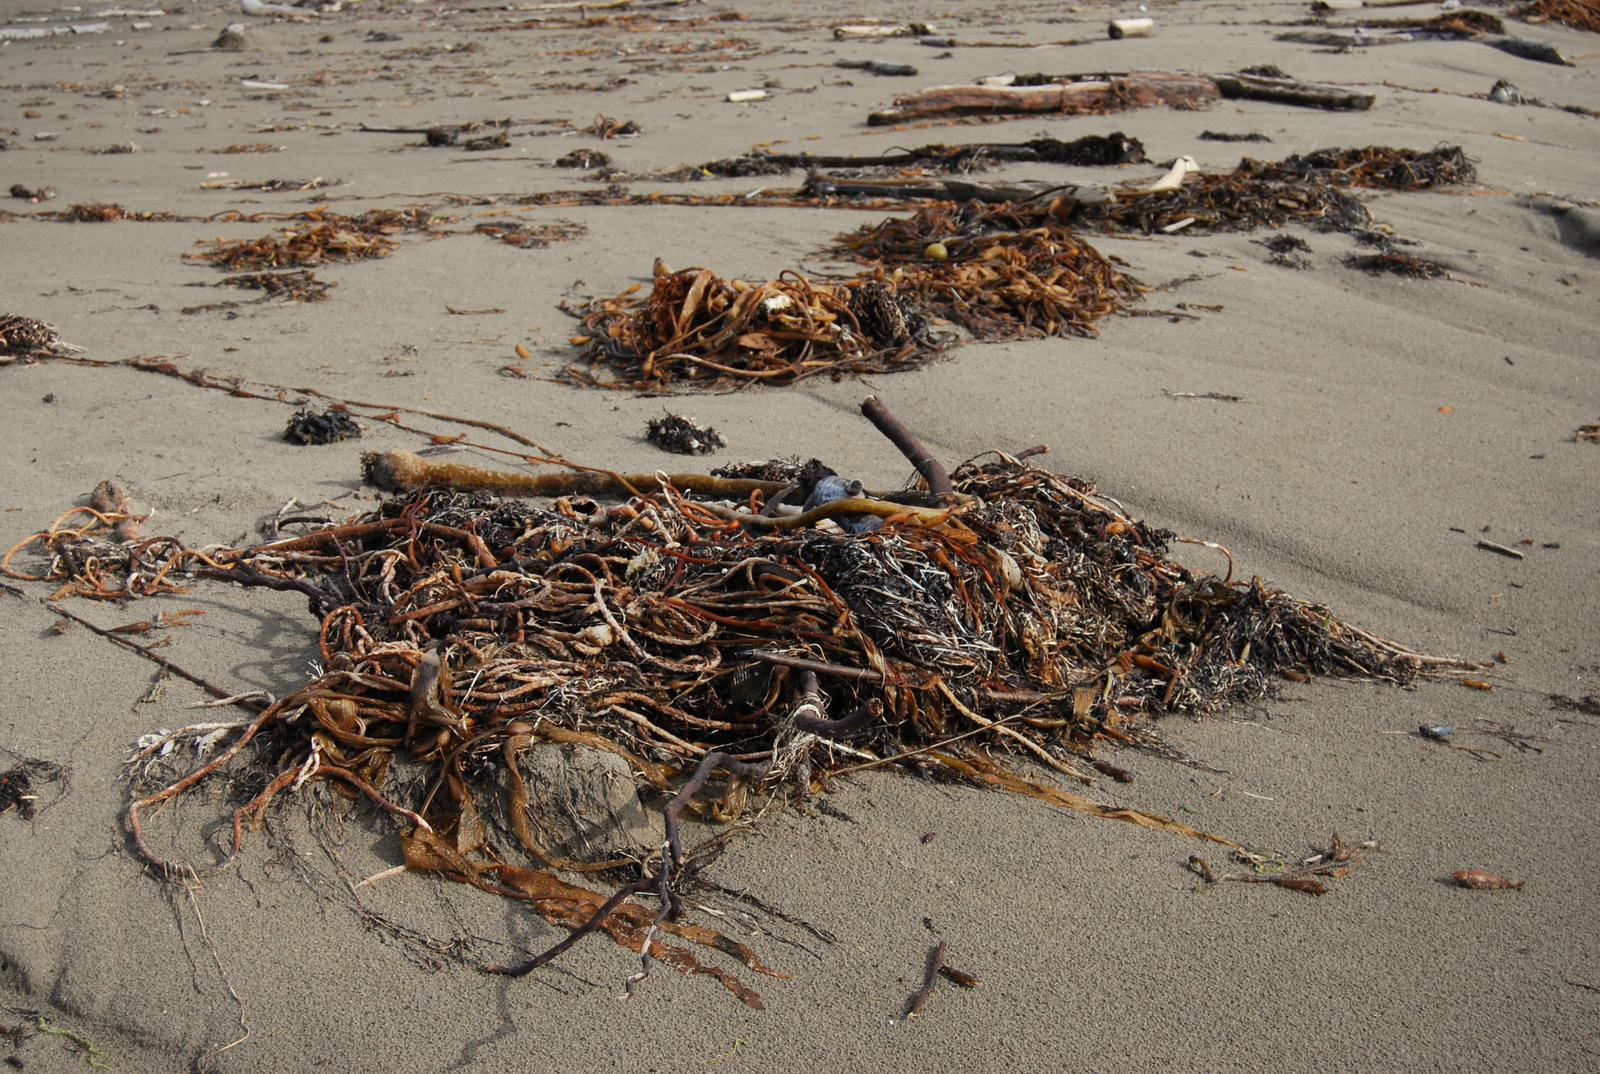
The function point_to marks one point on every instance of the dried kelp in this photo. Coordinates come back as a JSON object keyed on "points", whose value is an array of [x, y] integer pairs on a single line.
{"points": [[25, 336], [695, 329], [1286, 251], [606, 127], [99, 213], [1578, 14], [1376, 167], [1240, 200], [300, 285], [331, 426], [1416, 268], [323, 237], [1467, 23], [1008, 606], [253, 147], [269, 186], [584, 158], [20, 785], [1001, 272], [534, 236]]}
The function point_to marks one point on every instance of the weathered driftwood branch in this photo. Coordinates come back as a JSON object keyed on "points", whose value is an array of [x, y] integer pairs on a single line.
{"points": [[1288, 91], [1113, 93], [956, 190], [1538, 51], [1071, 94], [931, 469], [402, 471]]}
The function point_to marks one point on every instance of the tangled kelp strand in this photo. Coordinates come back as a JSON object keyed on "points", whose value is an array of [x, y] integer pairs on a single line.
{"points": [[318, 236], [1578, 14], [1001, 272], [24, 337], [699, 329], [529, 236]]}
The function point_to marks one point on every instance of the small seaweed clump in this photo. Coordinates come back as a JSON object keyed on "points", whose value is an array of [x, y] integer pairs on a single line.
{"points": [[308, 427], [24, 337], [1006, 271], [682, 436], [699, 330]]}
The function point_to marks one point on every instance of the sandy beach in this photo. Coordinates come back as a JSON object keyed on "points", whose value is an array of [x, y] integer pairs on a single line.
{"points": [[1352, 438]]}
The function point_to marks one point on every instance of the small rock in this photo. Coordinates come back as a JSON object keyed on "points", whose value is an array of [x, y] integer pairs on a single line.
{"points": [[582, 802]]}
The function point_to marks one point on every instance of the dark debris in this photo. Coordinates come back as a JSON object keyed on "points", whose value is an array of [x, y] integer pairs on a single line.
{"points": [[682, 436], [334, 425]]}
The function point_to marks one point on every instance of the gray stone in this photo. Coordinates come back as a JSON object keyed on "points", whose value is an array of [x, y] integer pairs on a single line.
{"points": [[583, 804]]}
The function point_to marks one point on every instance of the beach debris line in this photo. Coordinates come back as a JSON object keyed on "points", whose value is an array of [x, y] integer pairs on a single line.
{"points": [[993, 609], [682, 436], [1304, 876], [1311, 189], [1089, 150], [1006, 264]]}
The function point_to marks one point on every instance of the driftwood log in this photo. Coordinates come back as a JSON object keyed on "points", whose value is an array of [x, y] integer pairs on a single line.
{"points": [[1288, 91], [1527, 49], [1095, 94], [1081, 94]]}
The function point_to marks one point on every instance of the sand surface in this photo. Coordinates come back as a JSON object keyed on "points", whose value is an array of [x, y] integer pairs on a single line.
{"points": [[1382, 427]]}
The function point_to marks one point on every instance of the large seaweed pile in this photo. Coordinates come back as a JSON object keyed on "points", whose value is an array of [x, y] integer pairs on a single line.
{"points": [[1011, 611]]}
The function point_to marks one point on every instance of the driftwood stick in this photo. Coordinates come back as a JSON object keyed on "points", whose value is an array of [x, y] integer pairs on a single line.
{"points": [[709, 763], [811, 715], [1288, 91], [1071, 94], [820, 667], [931, 469], [404, 471], [929, 980]]}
